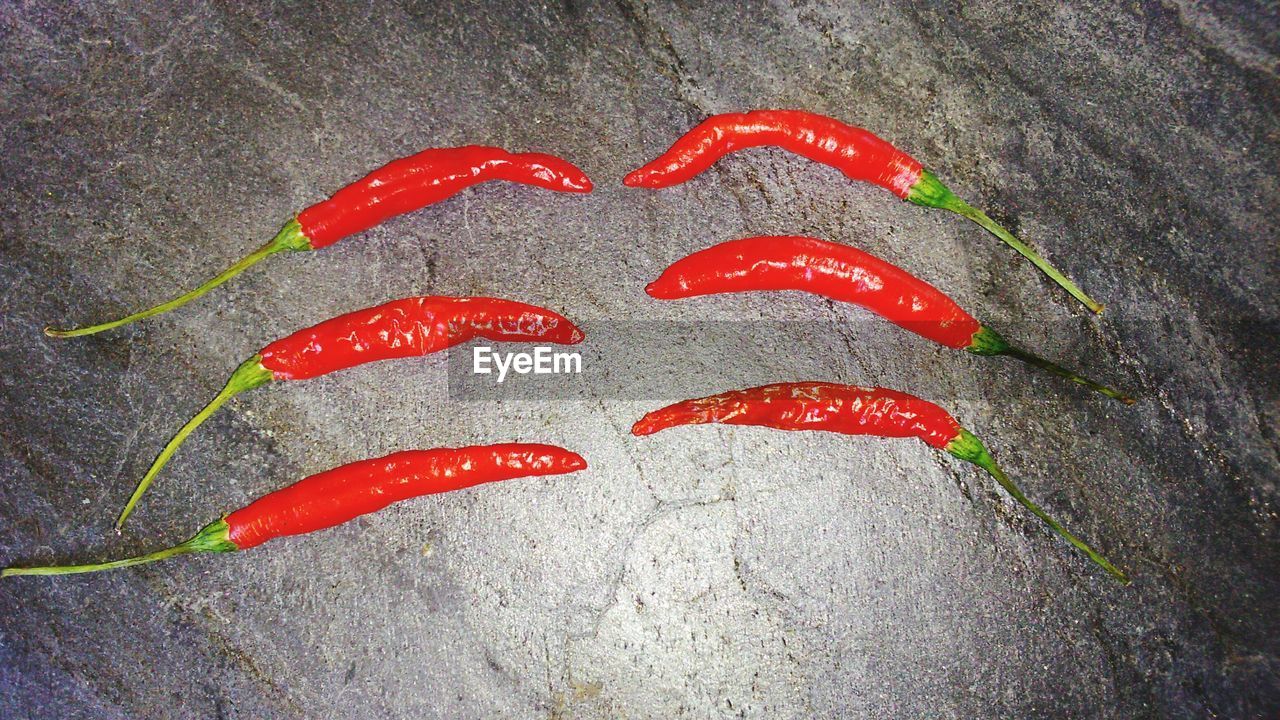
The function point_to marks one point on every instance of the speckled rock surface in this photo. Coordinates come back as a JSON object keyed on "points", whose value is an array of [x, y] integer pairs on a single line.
{"points": [[706, 572]]}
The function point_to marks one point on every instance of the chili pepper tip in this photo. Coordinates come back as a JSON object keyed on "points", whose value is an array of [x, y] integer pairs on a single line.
{"points": [[645, 426]]}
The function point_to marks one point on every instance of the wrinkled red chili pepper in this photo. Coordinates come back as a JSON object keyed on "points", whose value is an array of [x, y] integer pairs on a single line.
{"points": [[851, 410], [402, 328], [344, 493], [857, 153], [847, 274], [396, 188]]}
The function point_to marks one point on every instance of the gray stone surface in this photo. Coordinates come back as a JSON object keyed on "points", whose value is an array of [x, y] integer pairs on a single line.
{"points": [[699, 573]]}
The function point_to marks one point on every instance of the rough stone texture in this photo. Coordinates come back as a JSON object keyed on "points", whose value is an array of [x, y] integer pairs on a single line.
{"points": [[699, 573]]}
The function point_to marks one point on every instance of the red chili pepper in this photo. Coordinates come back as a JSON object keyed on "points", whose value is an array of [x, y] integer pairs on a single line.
{"points": [[344, 493], [856, 152], [847, 274], [396, 188], [850, 410], [402, 328]]}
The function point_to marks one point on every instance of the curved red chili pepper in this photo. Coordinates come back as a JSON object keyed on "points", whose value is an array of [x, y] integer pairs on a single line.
{"points": [[402, 328], [857, 153], [398, 187], [344, 493], [847, 274], [432, 175], [851, 410]]}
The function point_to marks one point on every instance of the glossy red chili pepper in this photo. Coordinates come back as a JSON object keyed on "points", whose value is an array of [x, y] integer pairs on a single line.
{"points": [[402, 328], [851, 410], [396, 188], [344, 493], [847, 274], [857, 153]]}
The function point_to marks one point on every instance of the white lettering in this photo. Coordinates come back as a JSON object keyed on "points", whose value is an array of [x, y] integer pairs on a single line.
{"points": [[572, 363], [481, 358], [503, 367], [542, 361]]}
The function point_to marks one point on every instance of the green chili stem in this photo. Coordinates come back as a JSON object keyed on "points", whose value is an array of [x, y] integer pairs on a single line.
{"points": [[289, 238], [930, 192], [249, 375], [968, 447], [988, 342], [213, 538], [1040, 362]]}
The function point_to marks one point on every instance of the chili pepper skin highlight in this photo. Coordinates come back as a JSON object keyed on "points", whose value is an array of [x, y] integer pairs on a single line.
{"points": [[846, 274], [852, 410], [344, 493], [396, 188], [408, 327], [858, 153]]}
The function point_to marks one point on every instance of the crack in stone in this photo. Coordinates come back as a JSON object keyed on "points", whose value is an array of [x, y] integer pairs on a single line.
{"points": [[666, 57]]}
